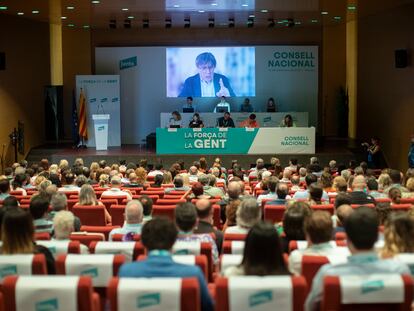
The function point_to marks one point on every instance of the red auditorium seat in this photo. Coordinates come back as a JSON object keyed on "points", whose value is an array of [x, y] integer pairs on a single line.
{"points": [[86, 238], [189, 300], [105, 230], [16, 193], [366, 205], [90, 215], [311, 265], [164, 211], [340, 236], [177, 192], [45, 236], [274, 213], [57, 247], [401, 207], [38, 263], [71, 203], [117, 214], [233, 247], [86, 299], [109, 200], [407, 201], [223, 293], [159, 193], [332, 296], [154, 198], [217, 217], [69, 193], [383, 200], [323, 207], [234, 237], [116, 248], [170, 201]]}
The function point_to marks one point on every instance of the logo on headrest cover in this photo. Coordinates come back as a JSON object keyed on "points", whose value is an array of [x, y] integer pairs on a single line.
{"points": [[182, 252], [372, 286], [52, 249], [260, 298], [47, 305], [148, 300], [92, 272], [8, 270]]}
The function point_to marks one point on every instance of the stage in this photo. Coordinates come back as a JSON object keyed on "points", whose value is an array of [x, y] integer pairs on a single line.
{"points": [[340, 149]]}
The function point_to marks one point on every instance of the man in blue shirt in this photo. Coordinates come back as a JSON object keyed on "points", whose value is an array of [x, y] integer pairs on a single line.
{"points": [[309, 179], [361, 228], [158, 236], [246, 106]]}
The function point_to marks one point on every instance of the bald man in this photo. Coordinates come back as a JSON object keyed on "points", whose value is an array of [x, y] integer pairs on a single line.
{"points": [[342, 213], [133, 220], [205, 214], [358, 194]]}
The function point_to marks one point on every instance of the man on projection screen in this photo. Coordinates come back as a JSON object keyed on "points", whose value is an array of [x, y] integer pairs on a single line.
{"points": [[206, 83]]}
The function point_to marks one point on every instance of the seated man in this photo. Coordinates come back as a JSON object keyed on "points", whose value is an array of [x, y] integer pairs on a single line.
{"points": [[4, 188], [222, 105], [225, 121], [342, 213], [304, 194], [186, 221], [318, 231], [271, 185], [59, 203], [133, 220], [260, 167], [147, 203], [38, 209], [282, 191], [358, 195], [205, 221], [209, 186], [70, 184], [246, 106], [115, 190], [248, 214], [361, 229], [178, 185], [158, 237]]}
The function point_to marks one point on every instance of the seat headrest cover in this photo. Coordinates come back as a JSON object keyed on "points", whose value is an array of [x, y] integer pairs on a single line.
{"points": [[98, 267], [374, 288], [55, 247], [149, 294], [228, 261], [260, 293], [187, 247], [237, 247], [15, 264], [46, 293], [124, 248], [185, 259]]}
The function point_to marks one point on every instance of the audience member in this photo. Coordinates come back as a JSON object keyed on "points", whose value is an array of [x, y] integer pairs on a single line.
{"points": [[147, 203], [87, 197], [358, 194], [39, 210], [205, 222], [4, 188], [248, 214], [158, 237], [59, 203], [398, 235], [116, 191], [133, 220]]}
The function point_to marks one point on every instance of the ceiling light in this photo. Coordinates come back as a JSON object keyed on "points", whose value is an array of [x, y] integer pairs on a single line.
{"points": [[35, 12], [352, 7], [125, 9], [2, 8], [337, 18], [96, 1], [86, 26], [176, 5], [71, 25], [214, 4], [131, 17], [201, 11], [298, 23], [314, 21], [264, 11], [324, 13], [250, 22], [20, 13], [63, 17], [245, 5], [251, 16], [70, 7]]}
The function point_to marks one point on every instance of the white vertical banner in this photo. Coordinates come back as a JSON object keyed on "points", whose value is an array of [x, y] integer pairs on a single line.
{"points": [[102, 94]]}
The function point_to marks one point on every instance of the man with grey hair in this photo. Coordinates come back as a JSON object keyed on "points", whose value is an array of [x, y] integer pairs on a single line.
{"points": [[346, 174], [210, 186], [259, 168], [302, 173], [59, 202], [193, 171], [248, 214], [133, 220], [116, 190]]}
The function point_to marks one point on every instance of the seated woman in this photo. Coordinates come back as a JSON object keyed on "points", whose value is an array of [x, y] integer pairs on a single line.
{"points": [[87, 197], [247, 215], [263, 254], [63, 226], [271, 105], [175, 120], [398, 233], [18, 237], [196, 192], [287, 121], [196, 121], [19, 182]]}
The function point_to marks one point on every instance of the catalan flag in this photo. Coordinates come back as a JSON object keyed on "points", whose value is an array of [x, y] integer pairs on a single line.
{"points": [[83, 127]]}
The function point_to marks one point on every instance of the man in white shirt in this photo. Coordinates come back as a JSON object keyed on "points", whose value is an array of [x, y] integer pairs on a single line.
{"points": [[69, 179], [133, 220], [318, 231], [259, 168], [222, 106], [271, 185], [116, 190], [158, 170]]}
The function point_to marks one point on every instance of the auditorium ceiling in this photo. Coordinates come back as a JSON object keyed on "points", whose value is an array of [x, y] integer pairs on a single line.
{"points": [[195, 13]]}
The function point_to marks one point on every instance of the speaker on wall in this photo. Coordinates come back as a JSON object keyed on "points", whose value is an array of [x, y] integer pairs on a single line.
{"points": [[2, 61], [401, 58]]}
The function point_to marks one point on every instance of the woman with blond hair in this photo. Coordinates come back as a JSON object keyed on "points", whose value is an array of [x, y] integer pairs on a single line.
{"points": [[141, 175], [104, 181], [410, 187], [87, 197], [384, 181], [398, 235]]}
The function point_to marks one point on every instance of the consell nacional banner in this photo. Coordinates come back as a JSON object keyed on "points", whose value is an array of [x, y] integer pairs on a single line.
{"points": [[236, 141]]}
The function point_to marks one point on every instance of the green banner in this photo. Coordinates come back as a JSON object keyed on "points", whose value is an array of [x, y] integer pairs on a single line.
{"points": [[205, 141]]}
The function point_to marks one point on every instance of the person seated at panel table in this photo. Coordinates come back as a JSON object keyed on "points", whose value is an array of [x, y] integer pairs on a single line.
{"points": [[196, 121], [225, 121], [250, 122], [246, 106], [222, 106], [189, 106], [271, 105], [206, 83], [175, 120], [287, 121]]}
